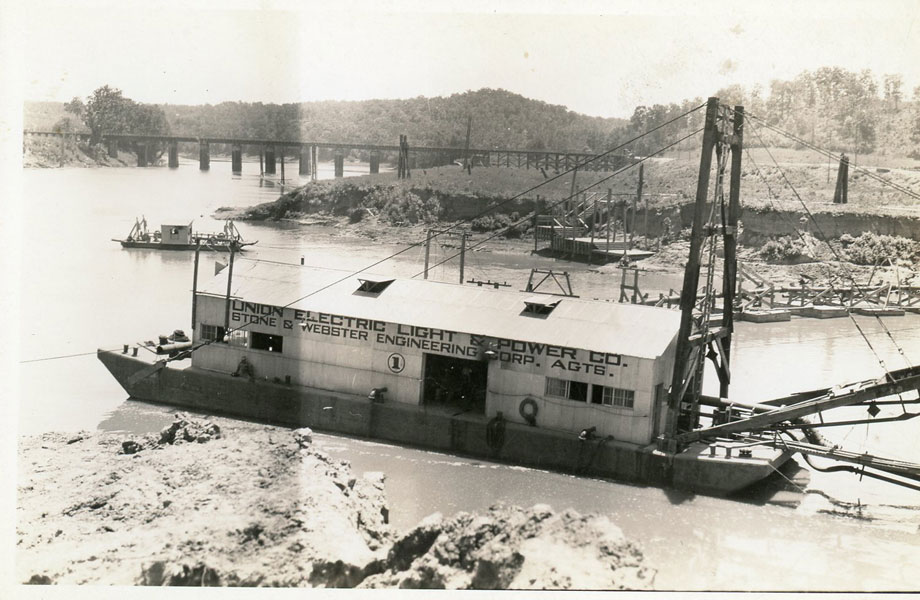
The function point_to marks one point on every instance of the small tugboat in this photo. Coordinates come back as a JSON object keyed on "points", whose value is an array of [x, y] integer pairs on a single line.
{"points": [[182, 237]]}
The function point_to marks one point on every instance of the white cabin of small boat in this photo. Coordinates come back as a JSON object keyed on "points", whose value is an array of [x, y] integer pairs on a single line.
{"points": [[176, 234], [556, 362]]}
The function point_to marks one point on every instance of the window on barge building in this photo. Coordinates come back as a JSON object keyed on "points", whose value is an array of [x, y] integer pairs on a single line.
{"points": [[266, 341], [570, 390], [240, 337], [608, 396], [214, 333]]}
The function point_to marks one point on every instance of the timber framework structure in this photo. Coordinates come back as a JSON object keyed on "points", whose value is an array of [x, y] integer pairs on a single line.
{"points": [[738, 425]]}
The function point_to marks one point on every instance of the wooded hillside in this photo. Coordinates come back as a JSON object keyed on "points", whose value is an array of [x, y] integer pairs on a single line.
{"points": [[840, 110]]}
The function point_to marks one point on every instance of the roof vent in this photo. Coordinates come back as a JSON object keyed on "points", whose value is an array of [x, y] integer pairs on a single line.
{"points": [[540, 306], [373, 284]]}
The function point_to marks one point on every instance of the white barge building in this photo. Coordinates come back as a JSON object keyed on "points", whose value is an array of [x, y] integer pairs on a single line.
{"points": [[541, 380], [560, 363]]}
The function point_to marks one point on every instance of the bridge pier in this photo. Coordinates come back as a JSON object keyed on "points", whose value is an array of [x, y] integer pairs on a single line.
{"points": [[141, 152], [173, 155], [375, 162], [313, 166], [282, 164], [339, 164], [204, 155], [270, 163], [304, 160], [113, 148], [236, 158]]}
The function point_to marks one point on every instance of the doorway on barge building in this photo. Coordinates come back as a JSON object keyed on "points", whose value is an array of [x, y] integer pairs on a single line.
{"points": [[456, 383]]}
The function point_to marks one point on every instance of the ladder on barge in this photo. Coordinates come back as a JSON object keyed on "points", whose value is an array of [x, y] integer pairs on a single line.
{"points": [[702, 337]]}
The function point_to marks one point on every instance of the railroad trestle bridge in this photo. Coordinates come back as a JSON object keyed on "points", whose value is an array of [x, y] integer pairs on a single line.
{"points": [[306, 153]]}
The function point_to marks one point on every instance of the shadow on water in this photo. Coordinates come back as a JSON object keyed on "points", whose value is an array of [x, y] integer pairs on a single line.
{"points": [[677, 497]]}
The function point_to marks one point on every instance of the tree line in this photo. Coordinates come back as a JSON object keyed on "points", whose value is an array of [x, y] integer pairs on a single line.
{"points": [[500, 119], [831, 107]]}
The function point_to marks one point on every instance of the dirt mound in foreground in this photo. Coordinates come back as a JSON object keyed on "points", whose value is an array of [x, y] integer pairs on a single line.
{"points": [[515, 548], [229, 503], [255, 506]]}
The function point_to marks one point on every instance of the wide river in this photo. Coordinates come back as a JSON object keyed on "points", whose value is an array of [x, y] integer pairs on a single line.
{"points": [[80, 290]]}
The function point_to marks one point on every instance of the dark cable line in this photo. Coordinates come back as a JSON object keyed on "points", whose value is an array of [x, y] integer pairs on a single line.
{"points": [[492, 208], [556, 177], [557, 203], [32, 360], [832, 155], [511, 199], [484, 212], [833, 250]]}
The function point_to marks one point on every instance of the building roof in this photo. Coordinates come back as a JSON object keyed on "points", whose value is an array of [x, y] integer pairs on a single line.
{"points": [[627, 329]]}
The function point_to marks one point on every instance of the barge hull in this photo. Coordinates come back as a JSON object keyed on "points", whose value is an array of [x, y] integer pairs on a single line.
{"points": [[462, 434], [159, 246]]}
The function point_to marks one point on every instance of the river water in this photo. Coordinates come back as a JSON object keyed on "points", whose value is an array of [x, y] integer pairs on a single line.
{"points": [[79, 290]]}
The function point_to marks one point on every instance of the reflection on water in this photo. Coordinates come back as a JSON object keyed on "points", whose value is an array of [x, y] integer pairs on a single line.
{"points": [[80, 290]]}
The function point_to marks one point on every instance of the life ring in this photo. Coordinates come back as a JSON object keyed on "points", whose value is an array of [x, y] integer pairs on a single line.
{"points": [[529, 410]]}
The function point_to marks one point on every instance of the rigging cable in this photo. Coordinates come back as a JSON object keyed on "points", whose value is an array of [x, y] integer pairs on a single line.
{"points": [[826, 241], [33, 360], [830, 154], [489, 209], [565, 199], [832, 249], [511, 199]]}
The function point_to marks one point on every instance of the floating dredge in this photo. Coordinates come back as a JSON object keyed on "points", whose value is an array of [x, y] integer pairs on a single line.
{"points": [[550, 381]]}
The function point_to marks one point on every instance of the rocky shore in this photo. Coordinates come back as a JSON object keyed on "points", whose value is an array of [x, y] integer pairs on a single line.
{"points": [[230, 503]]}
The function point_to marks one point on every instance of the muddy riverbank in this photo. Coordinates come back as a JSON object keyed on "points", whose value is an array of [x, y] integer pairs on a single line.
{"points": [[668, 260], [226, 503], [779, 241], [52, 152]]}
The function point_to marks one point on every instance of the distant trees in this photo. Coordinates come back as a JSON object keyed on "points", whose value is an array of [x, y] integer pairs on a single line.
{"points": [[915, 124], [501, 119], [646, 118], [892, 90], [831, 107], [106, 110]]}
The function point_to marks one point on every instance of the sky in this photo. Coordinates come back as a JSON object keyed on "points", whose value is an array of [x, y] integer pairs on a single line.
{"points": [[600, 58]]}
